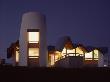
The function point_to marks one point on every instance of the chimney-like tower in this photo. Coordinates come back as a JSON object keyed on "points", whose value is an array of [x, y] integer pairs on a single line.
{"points": [[32, 40]]}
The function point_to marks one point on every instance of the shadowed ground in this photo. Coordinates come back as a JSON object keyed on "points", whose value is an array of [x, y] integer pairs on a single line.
{"points": [[17, 74]]}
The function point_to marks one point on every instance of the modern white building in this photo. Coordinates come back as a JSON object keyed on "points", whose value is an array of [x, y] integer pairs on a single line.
{"points": [[70, 55], [32, 40], [31, 48]]}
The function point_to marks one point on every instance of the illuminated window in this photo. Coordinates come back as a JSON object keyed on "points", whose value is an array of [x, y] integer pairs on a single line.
{"points": [[69, 51], [78, 50], [33, 45], [52, 59], [64, 51], [17, 56], [77, 54], [56, 58], [88, 56], [95, 53], [33, 37], [33, 52], [71, 54], [57, 55]]}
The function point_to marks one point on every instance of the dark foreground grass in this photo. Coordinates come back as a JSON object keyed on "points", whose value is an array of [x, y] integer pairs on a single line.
{"points": [[24, 74]]}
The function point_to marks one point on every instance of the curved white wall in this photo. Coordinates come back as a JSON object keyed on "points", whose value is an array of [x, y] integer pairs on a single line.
{"points": [[33, 20]]}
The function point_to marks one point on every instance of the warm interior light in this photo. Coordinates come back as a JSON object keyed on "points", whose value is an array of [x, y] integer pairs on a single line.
{"points": [[34, 57], [88, 56], [33, 52], [71, 54], [64, 51], [69, 51], [95, 53], [52, 59], [17, 56], [79, 51], [33, 37], [57, 55]]}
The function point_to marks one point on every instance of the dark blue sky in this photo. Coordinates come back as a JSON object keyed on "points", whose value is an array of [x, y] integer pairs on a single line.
{"points": [[86, 21]]}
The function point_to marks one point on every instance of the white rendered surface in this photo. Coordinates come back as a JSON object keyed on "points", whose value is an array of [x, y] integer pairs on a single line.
{"points": [[33, 20]]}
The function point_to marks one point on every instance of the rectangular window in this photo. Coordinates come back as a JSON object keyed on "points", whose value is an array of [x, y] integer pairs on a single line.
{"points": [[52, 59], [79, 50], [88, 56], [33, 37], [33, 43], [17, 54], [33, 52], [68, 51], [95, 53]]}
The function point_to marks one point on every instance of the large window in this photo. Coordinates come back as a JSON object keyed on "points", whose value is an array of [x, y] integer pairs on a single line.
{"points": [[33, 37], [88, 56], [52, 59], [69, 52], [33, 52], [79, 50], [33, 43], [17, 54], [95, 54]]}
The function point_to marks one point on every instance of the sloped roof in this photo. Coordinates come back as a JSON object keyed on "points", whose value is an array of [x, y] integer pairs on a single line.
{"points": [[81, 46], [61, 42], [104, 50], [101, 49], [90, 48]]}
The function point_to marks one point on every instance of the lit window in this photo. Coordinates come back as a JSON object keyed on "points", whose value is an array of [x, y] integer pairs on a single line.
{"points": [[52, 59], [57, 55], [71, 54], [33, 37], [78, 50], [88, 59], [64, 51], [17, 56], [69, 51], [33, 52], [95, 53], [88, 55], [33, 57]]}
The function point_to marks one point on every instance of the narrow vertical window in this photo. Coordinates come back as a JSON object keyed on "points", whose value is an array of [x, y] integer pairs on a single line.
{"points": [[17, 54], [95, 54], [33, 43]]}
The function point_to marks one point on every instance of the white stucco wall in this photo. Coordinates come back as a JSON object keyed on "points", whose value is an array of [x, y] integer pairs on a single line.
{"points": [[101, 60], [33, 20]]}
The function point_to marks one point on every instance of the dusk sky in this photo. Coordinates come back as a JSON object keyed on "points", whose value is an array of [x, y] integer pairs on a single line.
{"points": [[85, 21]]}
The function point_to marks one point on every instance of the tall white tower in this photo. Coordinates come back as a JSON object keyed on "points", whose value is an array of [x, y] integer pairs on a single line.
{"points": [[32, 40]]}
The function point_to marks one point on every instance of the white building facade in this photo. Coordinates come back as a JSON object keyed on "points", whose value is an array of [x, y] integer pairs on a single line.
{"points": [[32, 40], [31, 48]]}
